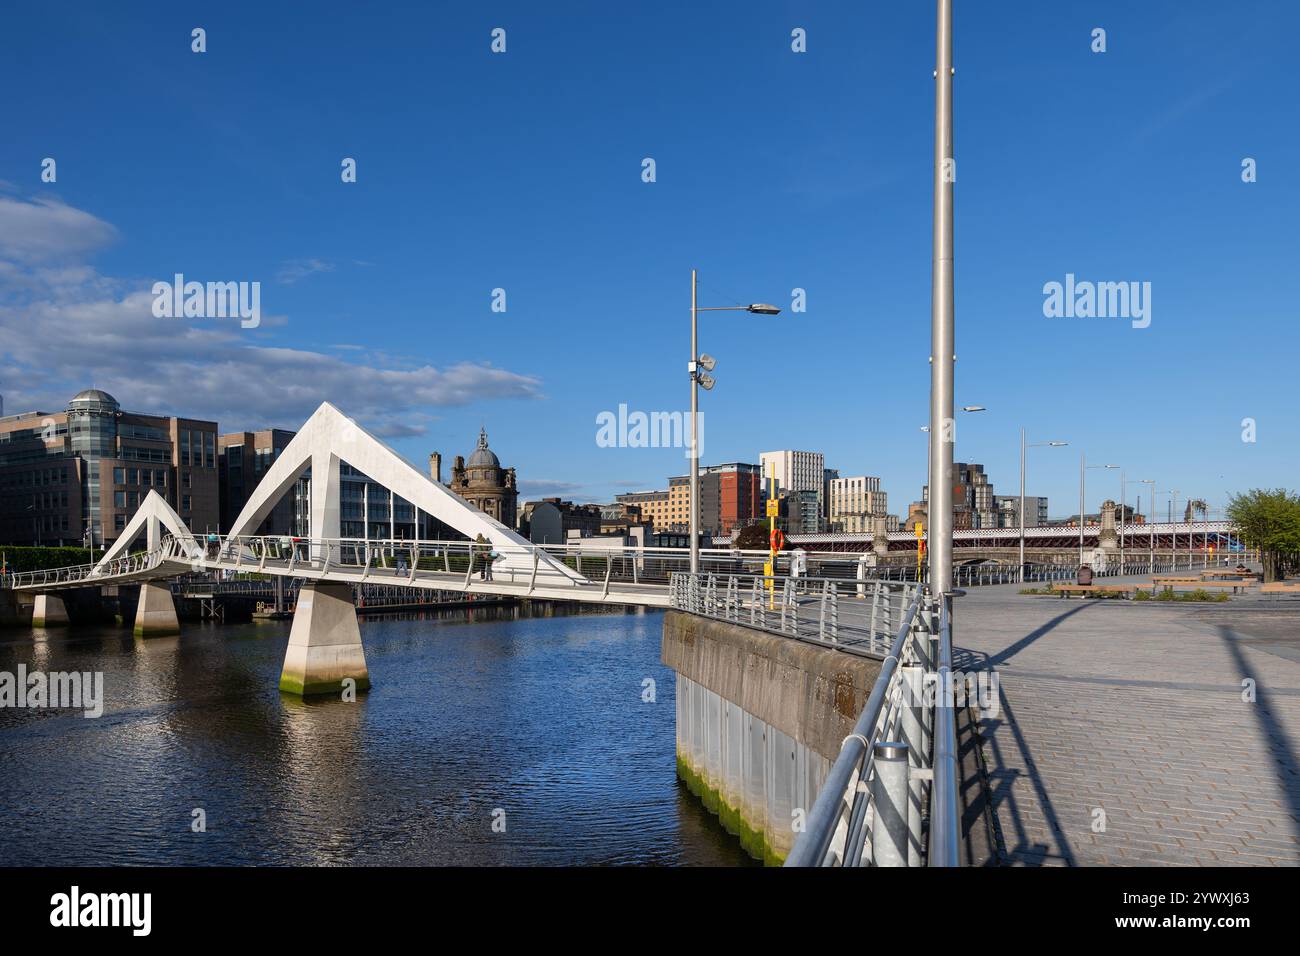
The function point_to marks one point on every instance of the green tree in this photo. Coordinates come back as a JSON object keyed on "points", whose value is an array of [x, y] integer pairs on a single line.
{"points": [[754, 537], [1269, 521]]}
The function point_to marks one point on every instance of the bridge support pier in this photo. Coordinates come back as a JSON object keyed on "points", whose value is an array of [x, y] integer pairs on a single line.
{"points": [[324, 642], [48, 611], [155, 614]]}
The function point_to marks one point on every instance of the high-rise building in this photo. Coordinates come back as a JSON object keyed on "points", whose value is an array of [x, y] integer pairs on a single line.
{"points": [[854, 502], [828, 475], [1008, 509], [973, 504], [242, 459], [77, 476], [740, 495], [797, 471]]}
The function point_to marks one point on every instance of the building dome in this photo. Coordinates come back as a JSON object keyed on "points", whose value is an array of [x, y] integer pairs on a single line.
{"points": [[483, 456], [94, 396]]}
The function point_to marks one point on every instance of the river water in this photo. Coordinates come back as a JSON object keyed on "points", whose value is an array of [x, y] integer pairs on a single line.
{"points": [[532, 719]]}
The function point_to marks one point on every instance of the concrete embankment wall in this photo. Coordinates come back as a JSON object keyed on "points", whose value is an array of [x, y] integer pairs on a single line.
{"points": [[760, 718]]}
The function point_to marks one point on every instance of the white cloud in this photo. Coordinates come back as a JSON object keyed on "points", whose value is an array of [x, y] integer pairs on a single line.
{"points": [[545, 487], [297, 269], [44, 230], [64, 326]]}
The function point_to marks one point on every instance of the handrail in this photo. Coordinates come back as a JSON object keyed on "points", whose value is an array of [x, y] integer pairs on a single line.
{"points": [[870, 810], [813, 846], [853, 614]]}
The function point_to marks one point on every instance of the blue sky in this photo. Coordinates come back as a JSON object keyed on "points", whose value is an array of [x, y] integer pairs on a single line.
{"points": [[775, 171]]}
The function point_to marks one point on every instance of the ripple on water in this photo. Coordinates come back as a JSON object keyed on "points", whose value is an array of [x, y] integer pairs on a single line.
{"points": [[539, 718]]}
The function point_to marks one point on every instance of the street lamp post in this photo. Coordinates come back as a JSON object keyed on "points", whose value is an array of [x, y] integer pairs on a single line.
{"points": [[699, 368], [1151, 525], [1021, 518], [1122, 490], [1083, 467], [1173, 529]]}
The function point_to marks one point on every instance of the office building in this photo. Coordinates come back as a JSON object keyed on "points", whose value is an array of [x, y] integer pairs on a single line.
{"points": [[242, 459], [797, 471], [76, 476]]}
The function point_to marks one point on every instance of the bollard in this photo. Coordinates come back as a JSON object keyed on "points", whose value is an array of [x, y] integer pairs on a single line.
{"points": [[889, 799]]}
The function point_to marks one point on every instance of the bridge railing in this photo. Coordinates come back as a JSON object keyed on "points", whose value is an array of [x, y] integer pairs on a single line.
{"points": [[89, 573], [857, 615], [890, 798], [597, 561]]}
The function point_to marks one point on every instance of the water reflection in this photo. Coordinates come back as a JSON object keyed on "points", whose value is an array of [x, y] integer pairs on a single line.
{"points": [[530, 714]]}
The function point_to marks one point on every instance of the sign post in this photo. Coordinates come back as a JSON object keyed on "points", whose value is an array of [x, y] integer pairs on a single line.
{"points": [[920, 549], [769, 568]]}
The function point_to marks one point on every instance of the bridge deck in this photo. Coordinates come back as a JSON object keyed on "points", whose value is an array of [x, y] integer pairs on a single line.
{"points": [[1137, 709], [502, 584]]}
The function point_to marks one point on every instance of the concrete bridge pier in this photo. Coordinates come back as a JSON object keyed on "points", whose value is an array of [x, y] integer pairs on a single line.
{"points": [[155, 612], [48, 611], [324, 642]]}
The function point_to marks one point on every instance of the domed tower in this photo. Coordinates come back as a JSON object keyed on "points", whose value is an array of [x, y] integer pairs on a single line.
{"points": [[92, 436], [92, 424], [485, 484]]}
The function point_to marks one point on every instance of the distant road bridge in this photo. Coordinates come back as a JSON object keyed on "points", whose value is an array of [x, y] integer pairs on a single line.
{"points": [[1164, 536]]}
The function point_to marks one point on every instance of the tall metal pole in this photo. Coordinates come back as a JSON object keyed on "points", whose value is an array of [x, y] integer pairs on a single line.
{"points": [[695, 448], [1082, 467], [942, 314], [1151, 521], [1121, 521], [1173, 527], [1022, 506]]}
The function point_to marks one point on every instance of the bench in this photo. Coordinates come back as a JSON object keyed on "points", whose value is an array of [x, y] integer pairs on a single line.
{"points": [[1191, 584], [1280, 587], [1082, 589], [1229, 573]]}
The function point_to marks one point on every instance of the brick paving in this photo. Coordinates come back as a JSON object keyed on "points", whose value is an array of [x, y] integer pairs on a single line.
{"points": [[1136, 710]]}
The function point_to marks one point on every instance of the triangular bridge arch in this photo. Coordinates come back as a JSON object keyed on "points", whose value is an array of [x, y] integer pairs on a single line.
{"points": [[328, 439]]}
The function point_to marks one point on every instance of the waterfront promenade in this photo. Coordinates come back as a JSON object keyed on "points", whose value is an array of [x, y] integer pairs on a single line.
{"points": [[1136, 710]]}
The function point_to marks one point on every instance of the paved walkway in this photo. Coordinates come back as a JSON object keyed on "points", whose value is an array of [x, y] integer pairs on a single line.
{"points": [[1136, 711]]}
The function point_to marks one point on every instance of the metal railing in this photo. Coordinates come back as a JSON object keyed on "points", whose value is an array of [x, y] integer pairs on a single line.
{"points": [[592, 562], [852, 614], [890, 798], [168, 550]]}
